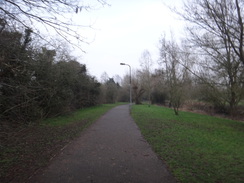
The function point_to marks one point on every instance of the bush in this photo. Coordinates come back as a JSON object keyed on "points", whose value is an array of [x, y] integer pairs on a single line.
{"points": [[34, 84]]}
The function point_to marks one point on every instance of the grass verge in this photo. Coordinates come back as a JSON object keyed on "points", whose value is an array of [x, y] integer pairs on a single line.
{"points": [[27, 149], [197, 148]]}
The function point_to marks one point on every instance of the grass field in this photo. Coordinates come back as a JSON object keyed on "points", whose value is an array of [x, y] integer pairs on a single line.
{"points": [[28, 148], [197, 148], [88, 114]]}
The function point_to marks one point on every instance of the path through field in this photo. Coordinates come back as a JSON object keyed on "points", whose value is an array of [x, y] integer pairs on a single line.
{"points": [[111, 150]]}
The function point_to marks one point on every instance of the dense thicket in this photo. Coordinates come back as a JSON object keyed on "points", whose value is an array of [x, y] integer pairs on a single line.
{"points": [[35, 84]]}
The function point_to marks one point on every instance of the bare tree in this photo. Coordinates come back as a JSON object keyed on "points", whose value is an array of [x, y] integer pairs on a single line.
{"points": [[137, 86], [117, 79], [159, 90], [146, 73], [216, 31], [104, 77], [177, 76], [45, 15], [221, 19]]}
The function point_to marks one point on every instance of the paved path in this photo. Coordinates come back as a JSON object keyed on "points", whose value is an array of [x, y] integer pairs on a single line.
{"points": [[112, 150]]}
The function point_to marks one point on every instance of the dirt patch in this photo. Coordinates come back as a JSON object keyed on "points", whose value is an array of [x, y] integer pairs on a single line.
{"points": [[25, 149]]}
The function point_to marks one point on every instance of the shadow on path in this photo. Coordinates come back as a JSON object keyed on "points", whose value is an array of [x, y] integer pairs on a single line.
{"points": [[112, 150]]}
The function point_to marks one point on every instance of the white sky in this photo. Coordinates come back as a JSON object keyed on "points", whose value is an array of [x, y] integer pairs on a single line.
{"points": [[124, 30]]}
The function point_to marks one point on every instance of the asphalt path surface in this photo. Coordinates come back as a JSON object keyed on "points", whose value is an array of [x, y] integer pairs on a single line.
{"points": [[112, 150]]}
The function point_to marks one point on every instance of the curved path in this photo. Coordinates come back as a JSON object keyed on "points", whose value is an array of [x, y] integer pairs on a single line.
{"points": [[112, 150]]}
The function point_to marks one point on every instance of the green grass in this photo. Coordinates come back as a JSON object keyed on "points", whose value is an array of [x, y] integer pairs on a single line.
{"points": [[241, 103], [197, 148], [88, 114]]}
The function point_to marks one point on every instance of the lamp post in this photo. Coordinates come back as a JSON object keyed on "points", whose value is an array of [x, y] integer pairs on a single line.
{"points": [[130, 80]]}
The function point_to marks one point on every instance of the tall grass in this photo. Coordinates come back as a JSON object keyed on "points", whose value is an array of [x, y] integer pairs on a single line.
{"points": [[197, 148]]}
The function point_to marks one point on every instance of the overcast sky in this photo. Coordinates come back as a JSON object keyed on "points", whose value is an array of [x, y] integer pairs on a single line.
{"points": [[124, 30]]}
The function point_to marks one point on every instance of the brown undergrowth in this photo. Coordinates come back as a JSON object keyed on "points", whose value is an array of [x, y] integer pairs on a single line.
{"points": [[208, 109]]}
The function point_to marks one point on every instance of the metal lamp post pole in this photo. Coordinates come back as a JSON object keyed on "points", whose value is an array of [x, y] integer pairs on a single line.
{"points": [[130, 81]]}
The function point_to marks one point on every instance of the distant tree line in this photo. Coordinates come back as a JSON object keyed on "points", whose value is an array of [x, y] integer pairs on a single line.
{"points": [[37, 82], [205, 67]]}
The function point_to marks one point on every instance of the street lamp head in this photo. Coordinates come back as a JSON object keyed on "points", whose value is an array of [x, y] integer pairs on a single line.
{"points": [[130, 80]]}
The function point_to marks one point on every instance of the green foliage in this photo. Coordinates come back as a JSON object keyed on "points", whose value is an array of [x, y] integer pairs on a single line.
{"points": [[111, 91], [16, 97], [35, 85], [197, 148]]}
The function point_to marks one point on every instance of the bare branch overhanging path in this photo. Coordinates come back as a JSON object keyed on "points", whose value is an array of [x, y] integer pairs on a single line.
{"points": [[112, 150]]}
